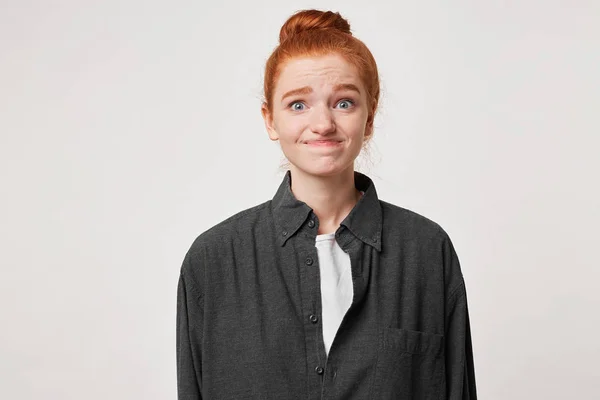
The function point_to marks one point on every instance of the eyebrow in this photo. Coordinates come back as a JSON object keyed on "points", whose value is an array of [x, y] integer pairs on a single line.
{"points": [[308, 89]]}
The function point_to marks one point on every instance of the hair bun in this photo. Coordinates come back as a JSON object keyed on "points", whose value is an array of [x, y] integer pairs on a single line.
{"points": [[312, 19]]}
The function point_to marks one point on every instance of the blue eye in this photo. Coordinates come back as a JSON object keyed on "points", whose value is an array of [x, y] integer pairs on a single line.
{"points": [[294, 105], [348, 102]]}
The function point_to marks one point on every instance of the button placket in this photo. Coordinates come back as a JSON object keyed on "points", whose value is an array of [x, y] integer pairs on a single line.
{"points": [[308, 258]]}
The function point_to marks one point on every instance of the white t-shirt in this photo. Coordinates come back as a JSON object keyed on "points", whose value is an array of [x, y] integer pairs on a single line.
{"points": [[336, 284]]}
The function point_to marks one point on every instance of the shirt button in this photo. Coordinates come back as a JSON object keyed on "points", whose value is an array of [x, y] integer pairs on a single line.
{"points": [[309, 261], [311, 224], [284, 233], [313, 318], [319, 370]]}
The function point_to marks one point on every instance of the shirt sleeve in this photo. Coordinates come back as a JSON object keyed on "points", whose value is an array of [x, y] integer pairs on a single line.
{"points": [[460, 368], [459, 364], [188, 360]]}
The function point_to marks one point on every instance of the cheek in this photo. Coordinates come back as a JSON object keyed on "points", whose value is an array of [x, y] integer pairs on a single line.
{"points": [[291, 128], [355, 124]]}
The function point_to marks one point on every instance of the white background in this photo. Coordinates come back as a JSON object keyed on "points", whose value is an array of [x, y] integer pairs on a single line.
{"points": [[129, 127]]}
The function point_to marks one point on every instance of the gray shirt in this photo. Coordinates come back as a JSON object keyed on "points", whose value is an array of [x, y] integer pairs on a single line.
{"points": [[249, 307]]}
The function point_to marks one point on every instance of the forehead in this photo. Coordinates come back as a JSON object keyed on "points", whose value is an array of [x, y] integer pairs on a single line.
{"points": [[316, 71]]}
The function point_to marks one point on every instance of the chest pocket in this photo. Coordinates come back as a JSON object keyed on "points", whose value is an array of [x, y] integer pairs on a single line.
{"points": [[410, 365]]}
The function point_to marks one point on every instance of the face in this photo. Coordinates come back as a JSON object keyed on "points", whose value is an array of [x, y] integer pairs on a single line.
{"points": [[319, 114]]}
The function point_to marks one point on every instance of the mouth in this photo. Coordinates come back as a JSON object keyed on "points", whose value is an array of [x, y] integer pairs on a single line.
{"points": [[324, 143]]}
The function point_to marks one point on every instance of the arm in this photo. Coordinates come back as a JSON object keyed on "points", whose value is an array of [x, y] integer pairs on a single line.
{"points": [[188, 361], [460, 369]]}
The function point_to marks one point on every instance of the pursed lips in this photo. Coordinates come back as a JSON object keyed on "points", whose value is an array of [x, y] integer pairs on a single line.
{"points": [[323, 141]]}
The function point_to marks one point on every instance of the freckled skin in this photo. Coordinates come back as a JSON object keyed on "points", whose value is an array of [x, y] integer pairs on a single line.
{"points": [[323, 114]]}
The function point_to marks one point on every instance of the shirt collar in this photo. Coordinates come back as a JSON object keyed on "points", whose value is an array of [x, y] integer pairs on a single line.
{"points": [[364, 220]]}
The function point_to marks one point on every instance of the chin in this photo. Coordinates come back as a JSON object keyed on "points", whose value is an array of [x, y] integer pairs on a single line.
{"points": [[321, 170]]}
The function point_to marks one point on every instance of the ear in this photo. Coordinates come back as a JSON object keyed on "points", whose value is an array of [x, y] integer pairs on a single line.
{"points": [[268, 118], [369, 128]]}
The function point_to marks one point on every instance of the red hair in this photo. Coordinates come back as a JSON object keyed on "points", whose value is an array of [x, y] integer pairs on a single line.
{"points": [[317, 33]]}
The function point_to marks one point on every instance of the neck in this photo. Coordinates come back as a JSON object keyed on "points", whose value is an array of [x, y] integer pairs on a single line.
{"points": [[331, 197]]}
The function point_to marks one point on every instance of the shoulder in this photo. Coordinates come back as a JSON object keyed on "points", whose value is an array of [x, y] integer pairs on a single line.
{"points": [[223, 232], [216, 242], [410, 224], [411, 231]]}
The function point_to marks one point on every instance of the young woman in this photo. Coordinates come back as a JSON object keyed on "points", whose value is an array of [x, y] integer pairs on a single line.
{"points": [[325, 291]]}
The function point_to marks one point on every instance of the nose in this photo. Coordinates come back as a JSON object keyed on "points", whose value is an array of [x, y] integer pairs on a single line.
{"points": [[322, 120]]}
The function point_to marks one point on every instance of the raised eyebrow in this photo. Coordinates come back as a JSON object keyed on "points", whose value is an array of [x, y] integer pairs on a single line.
{"points": [[347, 86], [308, 89], [299, 91]]}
